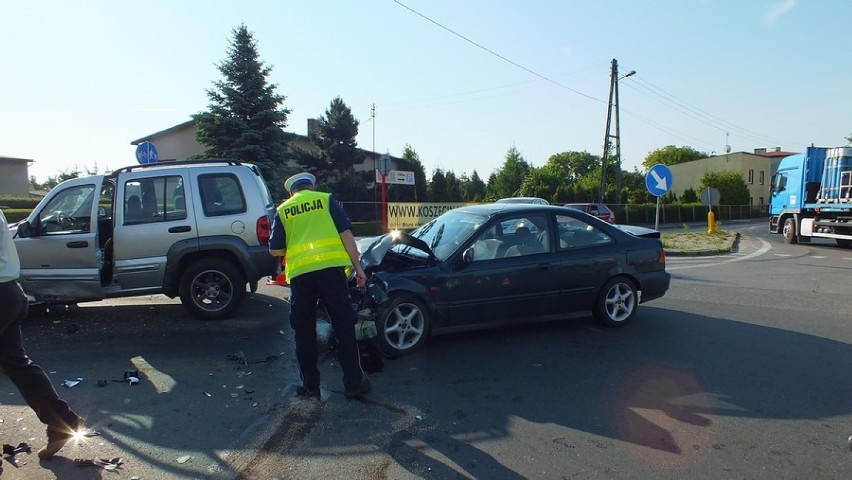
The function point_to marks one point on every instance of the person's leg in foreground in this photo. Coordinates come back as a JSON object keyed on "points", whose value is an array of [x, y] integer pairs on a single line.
{"points": [[31, 381]]}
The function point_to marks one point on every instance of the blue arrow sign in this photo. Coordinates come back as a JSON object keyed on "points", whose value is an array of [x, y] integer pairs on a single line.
{"points": [[659, 180]]}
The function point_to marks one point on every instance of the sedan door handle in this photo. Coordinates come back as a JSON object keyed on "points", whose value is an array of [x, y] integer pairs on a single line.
{"points": [[77, 244], [543, 267], [180, 229]]}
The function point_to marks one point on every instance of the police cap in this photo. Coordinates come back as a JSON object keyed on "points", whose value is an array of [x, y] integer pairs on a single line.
{"points": [[299, 179]]}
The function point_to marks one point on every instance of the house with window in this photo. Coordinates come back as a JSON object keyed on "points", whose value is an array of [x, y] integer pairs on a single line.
{"points": [[756, 169]]}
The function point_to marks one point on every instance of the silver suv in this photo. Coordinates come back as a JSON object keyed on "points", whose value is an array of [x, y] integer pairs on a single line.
{"points": [[195, 229]]}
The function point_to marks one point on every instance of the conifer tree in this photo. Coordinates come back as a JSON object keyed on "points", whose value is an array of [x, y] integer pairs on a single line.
{"points": [[246, 116]]}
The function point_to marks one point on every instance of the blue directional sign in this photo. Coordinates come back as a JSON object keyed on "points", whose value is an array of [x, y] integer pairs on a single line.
{"points": [[147, 153], [659, 180]]}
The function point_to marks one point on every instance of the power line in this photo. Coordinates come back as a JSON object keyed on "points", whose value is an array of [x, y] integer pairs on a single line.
{"points": [[698, 113], [673, 102], [492, 52]]}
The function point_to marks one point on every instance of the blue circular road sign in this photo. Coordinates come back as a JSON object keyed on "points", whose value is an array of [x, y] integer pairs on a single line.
{"points": [[659, 180], [147, 153]]}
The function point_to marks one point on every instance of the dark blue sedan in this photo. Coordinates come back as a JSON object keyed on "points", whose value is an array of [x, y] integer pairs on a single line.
{"points": [[487, 265]]}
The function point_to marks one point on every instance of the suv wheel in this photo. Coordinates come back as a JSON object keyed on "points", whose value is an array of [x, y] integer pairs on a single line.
{"points": [[212, 289]]}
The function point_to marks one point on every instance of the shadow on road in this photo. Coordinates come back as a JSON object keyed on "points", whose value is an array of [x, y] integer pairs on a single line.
{"points": [[484, 405]]}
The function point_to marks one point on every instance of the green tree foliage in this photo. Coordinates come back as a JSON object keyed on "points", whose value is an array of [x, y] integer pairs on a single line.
{"points": [[334, 136], [572, 166], [732, 188], [508, 180], [689, 196], [474, 188], [437, 191], [635, 191], [351, 186], [63, 175], [672, 155], [406, 193], [246, 118], [849, 139]]}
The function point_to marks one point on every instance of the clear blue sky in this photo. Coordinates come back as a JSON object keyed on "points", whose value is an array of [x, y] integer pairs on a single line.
{"points": [[81, 80]]}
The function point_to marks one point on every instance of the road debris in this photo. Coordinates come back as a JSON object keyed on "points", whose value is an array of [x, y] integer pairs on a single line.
{"points": [[12, 452], [240, 358], [72, 383]]}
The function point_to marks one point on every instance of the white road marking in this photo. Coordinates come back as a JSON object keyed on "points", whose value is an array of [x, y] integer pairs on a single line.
{"points": [[765, 247]]}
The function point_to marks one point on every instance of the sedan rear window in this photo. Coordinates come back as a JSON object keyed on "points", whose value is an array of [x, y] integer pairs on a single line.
{"points": [[575, 233]]}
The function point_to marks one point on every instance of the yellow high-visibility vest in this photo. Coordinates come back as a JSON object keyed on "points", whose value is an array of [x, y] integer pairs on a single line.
{"points": [[313, 242]]}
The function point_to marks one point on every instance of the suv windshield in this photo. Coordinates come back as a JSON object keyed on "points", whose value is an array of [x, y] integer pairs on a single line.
{"points": [[444, 234]]}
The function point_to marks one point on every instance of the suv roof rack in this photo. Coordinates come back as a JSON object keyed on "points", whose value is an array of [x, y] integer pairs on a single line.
{"points": [[131, 168]]}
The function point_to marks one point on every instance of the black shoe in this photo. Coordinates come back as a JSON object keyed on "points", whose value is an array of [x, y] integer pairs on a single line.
{"points": [[360, 390], [58, 436], [304, 391]]}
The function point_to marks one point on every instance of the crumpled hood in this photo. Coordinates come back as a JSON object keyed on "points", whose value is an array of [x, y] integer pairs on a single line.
{"points": [[374, 249]]}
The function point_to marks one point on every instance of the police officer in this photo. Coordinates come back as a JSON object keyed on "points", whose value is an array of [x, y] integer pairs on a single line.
{"points": [[36, 389], [314, 235]]}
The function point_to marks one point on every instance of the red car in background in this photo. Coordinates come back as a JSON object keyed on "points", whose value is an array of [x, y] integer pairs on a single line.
{"points": [[595, 209]]}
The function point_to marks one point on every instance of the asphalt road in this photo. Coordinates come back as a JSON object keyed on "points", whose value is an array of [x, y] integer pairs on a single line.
{"points": [[193, 399], [740, 371]]}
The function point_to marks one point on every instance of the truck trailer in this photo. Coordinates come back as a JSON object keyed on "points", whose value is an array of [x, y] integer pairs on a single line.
{"points": [[811, 196]]}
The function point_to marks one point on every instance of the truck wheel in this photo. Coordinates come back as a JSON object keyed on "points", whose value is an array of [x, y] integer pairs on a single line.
{"points": [[843, 242], [789, 230], [212, 289]]}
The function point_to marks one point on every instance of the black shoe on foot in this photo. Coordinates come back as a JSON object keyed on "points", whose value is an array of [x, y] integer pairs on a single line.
{"points": [[58, 436], [304, 391], [360, 390]]}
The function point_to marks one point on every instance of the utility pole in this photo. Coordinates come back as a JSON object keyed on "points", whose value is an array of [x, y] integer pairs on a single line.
{"points": [[613, 91], [375, 185], [612, 80]]}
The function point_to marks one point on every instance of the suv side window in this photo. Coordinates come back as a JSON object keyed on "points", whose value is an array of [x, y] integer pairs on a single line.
{"points": [[155, 199], [68, 212], [221, 194]]}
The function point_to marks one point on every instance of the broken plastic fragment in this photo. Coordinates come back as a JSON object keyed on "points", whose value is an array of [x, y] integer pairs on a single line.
{"points": [[12, 451], [112, 463], [71, 383], [183, 459]]}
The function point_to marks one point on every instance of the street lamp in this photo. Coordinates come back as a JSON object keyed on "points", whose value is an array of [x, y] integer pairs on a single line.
{"points": [[618, 142], [613, 92]]}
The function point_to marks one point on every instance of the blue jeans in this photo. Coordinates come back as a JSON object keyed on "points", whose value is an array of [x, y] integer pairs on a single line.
{"points": [[328, 285], [28, 377]]}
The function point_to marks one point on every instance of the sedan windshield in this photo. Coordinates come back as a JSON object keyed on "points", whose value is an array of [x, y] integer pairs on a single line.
{"points": [[445, 233]]}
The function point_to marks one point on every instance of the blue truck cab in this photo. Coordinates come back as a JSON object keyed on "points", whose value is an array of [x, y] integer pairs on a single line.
{"points": [[811, 196]]}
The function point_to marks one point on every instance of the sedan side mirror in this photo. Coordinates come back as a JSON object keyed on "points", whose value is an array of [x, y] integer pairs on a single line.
{"points": [[468, 256]]}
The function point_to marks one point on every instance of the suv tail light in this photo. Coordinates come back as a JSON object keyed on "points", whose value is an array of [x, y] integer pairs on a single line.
{"points": [[263, 230]]}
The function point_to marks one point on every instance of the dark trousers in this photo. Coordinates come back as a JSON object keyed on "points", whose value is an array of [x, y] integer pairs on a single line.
{"points": [[30, 379], [330, 286]]}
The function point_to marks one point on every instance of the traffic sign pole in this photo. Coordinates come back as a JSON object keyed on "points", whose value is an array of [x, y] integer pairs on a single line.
{"points": [[659, 182], [384, 204]]}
